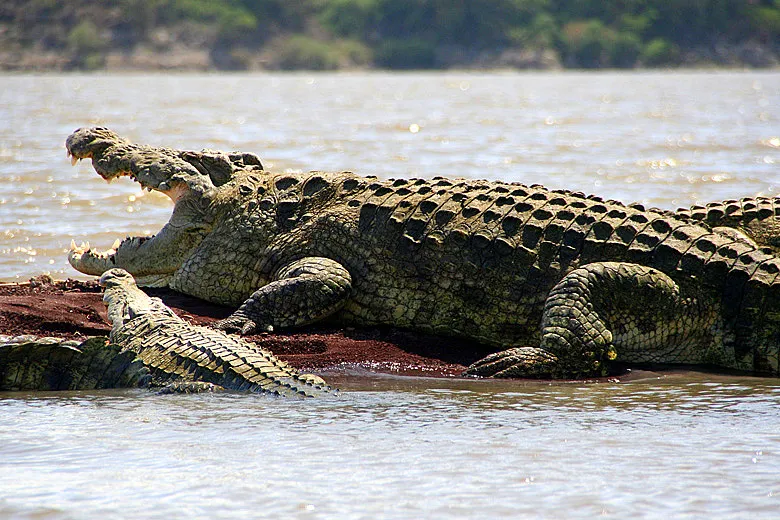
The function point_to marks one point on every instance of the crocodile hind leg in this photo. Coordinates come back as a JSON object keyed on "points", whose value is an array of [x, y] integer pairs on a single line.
{"points": [[604, 312]]}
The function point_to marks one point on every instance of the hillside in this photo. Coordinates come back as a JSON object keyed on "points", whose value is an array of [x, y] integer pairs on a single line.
{"points": [[394, 34]]}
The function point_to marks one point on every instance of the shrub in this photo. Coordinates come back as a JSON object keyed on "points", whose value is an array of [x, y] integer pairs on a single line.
{"points": [[350, 18], [302, 52], [541, 33], [235, 25], [624, 49], [354, 53], [85, 38], [585, 43], [405, 54], [87, 45], [659, 52], [590, 44], [765, 20]]}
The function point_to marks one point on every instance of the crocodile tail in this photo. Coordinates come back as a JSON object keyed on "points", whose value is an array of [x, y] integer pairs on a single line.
{"points": [[46, 363], [252, 368]]}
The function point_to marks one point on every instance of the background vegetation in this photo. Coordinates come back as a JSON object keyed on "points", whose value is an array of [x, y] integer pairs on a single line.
{"points": [[328, 34]]}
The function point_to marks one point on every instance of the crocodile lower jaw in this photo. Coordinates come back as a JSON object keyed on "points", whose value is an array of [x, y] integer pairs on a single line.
{"points": [[89, 261]]}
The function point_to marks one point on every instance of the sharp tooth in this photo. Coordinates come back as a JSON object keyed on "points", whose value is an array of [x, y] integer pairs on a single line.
{"points": [[115, 245], [72, 245], [88, 248], [73, 160]]}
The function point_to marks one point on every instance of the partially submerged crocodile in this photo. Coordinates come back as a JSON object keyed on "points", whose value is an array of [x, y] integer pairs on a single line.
{"points": [[559, 283], [148, 345]]}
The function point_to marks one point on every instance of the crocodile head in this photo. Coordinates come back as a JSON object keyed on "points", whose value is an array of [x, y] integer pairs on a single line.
{"points": [[156, 169], [151, 260], [125, 301]]}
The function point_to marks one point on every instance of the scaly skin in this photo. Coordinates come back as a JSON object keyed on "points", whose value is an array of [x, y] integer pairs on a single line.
{"points": [[758, 218], [148, 346], [48, 363], [560, 283]]}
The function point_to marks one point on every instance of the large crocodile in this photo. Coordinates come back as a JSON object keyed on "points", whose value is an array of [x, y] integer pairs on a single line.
{"points": [[757, 218], [559, 283], [148, 345]]}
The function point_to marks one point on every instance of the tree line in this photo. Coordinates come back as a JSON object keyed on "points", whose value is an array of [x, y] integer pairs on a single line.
{"points": [[411, 33]]}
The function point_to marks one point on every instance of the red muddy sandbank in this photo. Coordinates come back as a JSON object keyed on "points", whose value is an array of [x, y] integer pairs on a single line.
{"points": [[74, 309]]}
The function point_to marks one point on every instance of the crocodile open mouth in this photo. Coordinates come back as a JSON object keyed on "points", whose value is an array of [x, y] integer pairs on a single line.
{"points": [[92, 261], [152, 260]]}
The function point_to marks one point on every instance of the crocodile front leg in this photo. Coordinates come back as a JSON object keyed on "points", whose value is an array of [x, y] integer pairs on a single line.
{"points": [[302, 292], [604, 312]]}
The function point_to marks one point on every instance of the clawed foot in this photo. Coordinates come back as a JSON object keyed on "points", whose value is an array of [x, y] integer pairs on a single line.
{"points": [[313, 380], [515, 362], [242, 324], [190, 387]]}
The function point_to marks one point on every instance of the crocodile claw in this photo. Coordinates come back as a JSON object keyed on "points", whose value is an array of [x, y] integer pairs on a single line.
{"points": [[242, 324], [515, 362]]}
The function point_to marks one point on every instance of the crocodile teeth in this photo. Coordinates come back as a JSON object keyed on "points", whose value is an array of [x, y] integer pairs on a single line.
{"points": [[79, 250], [73, 160], [86, 248], [115, 245]]}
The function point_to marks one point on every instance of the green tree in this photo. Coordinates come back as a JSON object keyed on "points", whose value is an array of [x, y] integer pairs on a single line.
{"points": [[541, 33], [351, 18], [584, 44], [659, 52], [302, 52], [624, 49], [765, 20], [87, 45], [410, 53]]}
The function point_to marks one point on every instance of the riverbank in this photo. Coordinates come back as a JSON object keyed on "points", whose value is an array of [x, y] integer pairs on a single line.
{"points": [[183, 58], [73, 309]]}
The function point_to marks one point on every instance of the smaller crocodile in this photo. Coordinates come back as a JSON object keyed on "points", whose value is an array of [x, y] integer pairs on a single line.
{"points": [[148, 346]]}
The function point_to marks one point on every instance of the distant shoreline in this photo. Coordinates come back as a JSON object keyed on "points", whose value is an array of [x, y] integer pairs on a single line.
{"points": [[202, 60], [255, 35]]}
